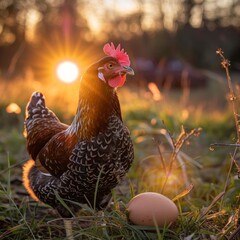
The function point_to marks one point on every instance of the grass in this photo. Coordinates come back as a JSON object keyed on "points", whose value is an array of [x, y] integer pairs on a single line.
{"points": [[162, 146]]}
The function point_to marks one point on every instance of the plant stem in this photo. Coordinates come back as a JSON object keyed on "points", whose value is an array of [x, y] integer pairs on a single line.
{"points": [[225, 63]]}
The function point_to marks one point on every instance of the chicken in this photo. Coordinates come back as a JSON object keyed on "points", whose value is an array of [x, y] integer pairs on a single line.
{"points": [[82, 162]]}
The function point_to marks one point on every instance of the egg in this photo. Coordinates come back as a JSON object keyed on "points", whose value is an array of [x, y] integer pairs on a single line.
{"points": [[151, 209]]}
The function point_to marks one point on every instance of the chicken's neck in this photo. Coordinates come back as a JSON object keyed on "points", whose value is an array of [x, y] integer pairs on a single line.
{"points": [[93, 114]]}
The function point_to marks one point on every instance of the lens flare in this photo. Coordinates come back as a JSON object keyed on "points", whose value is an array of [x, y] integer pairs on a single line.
{"points": [[67, 71], [13, 108]]}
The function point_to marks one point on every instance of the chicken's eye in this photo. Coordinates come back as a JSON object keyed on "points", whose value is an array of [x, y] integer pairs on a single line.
{"points": [[110, 66]]}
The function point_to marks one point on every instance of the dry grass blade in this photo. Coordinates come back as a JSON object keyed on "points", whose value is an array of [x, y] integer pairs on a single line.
{"points": [[213, 145], [183, 194], [161, 156], [235, 235], [215, 200]]}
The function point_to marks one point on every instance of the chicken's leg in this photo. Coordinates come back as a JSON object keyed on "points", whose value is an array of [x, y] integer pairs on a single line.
{"points": [[68, 229]]}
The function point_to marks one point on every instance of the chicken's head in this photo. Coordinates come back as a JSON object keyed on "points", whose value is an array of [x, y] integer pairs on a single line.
{"points": [[114, 68]]}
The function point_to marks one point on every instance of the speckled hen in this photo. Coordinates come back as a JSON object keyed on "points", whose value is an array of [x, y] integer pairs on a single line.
{"points": [[95, 150]]}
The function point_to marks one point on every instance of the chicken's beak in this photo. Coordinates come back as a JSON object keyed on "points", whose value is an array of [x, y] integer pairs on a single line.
{"points": [[127, 70]]}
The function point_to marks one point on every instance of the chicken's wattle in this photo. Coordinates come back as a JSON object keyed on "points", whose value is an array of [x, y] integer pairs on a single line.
{"points": [[117, 81]]}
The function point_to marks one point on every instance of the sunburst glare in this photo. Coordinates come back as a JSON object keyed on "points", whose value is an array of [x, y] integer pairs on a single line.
{"points": [[67, 71]]}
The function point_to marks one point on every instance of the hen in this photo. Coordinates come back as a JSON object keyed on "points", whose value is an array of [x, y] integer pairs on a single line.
{"points": [[84, 161]]}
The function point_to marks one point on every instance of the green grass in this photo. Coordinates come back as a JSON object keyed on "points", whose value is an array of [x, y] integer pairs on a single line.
{"points": [[202, 214]]}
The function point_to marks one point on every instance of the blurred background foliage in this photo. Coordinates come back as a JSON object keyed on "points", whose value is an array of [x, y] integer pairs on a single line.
{"points": [[33, 30]]}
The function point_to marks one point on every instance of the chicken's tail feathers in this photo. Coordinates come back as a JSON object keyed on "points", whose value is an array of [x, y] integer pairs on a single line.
{"points": [[37, 114], [40, 124], [27, 167], [35, 104], [36, 109]]}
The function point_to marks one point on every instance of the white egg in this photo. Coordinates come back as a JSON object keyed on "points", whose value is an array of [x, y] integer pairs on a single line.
{"points": [[151, 209]]}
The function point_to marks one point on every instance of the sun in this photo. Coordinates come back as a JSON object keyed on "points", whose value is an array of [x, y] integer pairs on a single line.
{"points": [[67, 71]]}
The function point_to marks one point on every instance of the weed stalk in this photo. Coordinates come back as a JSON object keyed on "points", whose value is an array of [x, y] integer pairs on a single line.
{"points": [[233, 99], [226, 64], [176, 149]]}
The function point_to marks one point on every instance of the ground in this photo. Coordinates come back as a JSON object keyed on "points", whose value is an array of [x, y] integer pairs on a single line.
{"points": [[179, 125]]}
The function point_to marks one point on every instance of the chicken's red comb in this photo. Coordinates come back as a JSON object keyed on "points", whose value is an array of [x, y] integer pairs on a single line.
{"points": [[118, 53]]}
